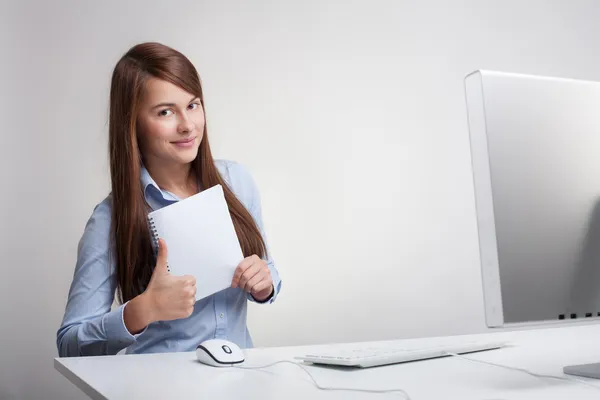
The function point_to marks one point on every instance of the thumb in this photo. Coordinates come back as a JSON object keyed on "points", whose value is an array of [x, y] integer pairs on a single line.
{"points": [[161, 260]]}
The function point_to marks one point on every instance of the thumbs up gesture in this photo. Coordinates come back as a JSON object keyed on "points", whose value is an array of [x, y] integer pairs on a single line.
{"points": [[170, 297]]}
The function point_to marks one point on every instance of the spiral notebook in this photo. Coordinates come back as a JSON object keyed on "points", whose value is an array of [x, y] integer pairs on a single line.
{"points": [[201, 240]]}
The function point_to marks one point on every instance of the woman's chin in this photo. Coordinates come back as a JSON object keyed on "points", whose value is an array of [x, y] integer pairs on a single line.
{"points": [[187, 156]]}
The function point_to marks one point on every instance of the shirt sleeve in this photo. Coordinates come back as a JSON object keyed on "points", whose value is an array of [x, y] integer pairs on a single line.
{"points": [[90, 325], [250, 195]]}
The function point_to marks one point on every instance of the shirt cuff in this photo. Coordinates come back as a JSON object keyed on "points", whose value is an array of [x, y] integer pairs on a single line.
{"points": [[271, 298], [114, 326], [268, 299]]}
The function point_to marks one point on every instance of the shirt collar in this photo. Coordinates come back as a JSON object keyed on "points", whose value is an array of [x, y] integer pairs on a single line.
{"points": [[146, 179], [149, 185]]}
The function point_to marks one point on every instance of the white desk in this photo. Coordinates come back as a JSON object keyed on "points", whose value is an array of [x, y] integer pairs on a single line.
{"points": [[180, 376]]}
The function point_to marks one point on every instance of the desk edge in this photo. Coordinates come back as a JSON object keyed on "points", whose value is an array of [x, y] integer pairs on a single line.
{"points": [[77, 381]]}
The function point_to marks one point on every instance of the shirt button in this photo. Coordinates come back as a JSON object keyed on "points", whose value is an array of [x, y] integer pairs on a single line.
{"points": [[221, 315]]}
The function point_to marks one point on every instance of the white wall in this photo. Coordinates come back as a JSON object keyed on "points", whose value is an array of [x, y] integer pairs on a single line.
{"points": [[350, 115]]}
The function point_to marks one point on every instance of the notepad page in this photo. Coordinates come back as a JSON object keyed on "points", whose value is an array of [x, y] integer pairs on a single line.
{"points": [[201, 240]]}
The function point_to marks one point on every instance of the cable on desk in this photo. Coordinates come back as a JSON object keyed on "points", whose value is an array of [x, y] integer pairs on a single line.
{"points": [[381, 391], [563, 378]]}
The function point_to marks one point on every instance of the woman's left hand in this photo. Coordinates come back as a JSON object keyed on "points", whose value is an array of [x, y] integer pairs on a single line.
{"points": [[253, 276]]}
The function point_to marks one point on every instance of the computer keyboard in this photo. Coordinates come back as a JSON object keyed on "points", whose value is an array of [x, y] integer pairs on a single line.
{"points": [[365, 357]]}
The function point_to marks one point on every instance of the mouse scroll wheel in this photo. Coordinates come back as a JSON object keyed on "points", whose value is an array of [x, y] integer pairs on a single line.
{"points": [[226, 349]]}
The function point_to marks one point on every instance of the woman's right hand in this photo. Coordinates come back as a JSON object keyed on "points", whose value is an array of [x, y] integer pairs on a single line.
{"points": [[170, 297], [167, 297]]}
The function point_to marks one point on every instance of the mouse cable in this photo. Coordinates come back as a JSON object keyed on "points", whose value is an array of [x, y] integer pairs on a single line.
{"points": [[406, 396], [381, 391], [563, 378]]}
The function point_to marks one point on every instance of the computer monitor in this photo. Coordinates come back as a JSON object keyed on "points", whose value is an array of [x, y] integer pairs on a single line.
{"points": [[535, 148]]}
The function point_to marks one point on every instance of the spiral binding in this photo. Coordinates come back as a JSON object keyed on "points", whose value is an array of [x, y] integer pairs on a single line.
{"points": [[154, 234]]}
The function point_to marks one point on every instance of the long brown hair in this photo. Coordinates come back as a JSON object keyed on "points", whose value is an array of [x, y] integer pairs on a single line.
{"points": [[134, 255]]}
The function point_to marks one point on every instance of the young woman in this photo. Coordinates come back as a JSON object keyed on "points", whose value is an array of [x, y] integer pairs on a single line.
{"points": [[159, 154]]}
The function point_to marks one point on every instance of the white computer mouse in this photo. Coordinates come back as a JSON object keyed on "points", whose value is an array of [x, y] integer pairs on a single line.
{"points": [[219, 353]]}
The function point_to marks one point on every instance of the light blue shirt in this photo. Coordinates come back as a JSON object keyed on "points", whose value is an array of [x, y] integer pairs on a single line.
{"points": [[90, 327]]}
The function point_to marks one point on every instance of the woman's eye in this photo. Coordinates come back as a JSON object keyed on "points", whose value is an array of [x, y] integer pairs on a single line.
{"points": [[165, 113], [193, 106]]}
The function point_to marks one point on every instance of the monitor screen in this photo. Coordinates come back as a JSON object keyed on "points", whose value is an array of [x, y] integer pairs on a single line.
{"points": [[535, 147]]}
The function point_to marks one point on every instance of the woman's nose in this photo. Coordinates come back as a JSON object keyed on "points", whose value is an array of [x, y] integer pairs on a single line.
{"points": [[186, 125]]}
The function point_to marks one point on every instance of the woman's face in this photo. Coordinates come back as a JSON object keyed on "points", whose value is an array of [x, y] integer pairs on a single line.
{"points": [[170, 124]]}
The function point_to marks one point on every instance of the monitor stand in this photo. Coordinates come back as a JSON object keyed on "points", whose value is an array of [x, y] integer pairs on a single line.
{"points": [[585, 370]]}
